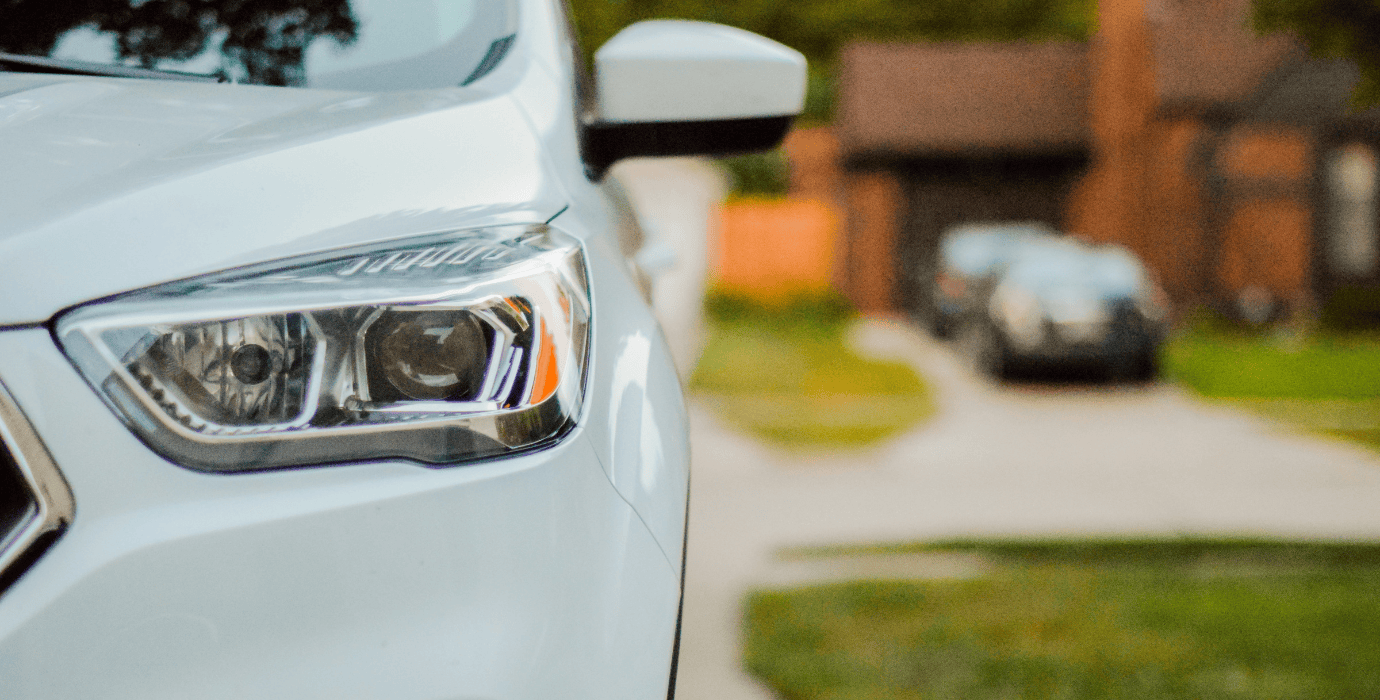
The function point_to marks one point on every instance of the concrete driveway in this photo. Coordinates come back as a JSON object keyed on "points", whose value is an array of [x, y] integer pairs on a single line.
{"points": [[1014, 460]]}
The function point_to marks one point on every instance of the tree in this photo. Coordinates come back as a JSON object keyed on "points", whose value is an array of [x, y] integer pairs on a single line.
{"points": [[260, 41], [818, 28], [1332, 29]]}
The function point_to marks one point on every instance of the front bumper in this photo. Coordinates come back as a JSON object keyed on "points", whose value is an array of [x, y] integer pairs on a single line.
{"points": [[521, 578], [1126, 334]]}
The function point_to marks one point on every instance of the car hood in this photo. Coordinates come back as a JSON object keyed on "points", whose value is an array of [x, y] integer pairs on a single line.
{"points": [[110, 185]]}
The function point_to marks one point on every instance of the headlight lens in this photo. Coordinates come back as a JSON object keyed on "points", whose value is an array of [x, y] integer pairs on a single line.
{"points": [[1021, 313], [1075, 306], [444, 349]]}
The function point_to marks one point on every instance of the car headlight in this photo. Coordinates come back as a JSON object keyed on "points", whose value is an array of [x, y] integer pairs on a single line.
{"points": [[1021, 313], [1076, 307], [443, 349]]}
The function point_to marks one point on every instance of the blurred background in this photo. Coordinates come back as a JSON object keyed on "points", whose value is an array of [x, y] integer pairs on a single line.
{"points": [[1042, 360]]}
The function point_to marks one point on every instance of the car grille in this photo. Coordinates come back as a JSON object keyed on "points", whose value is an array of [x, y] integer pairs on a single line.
{"points": [[35, 502], [16, 500]]}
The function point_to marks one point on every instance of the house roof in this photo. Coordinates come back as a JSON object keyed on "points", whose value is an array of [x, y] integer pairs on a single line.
{"points": [[1205, 51], [943, 99], [961, 98]]}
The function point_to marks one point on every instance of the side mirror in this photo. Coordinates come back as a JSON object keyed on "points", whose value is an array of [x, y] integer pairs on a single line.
{"points": [[676, 88]]}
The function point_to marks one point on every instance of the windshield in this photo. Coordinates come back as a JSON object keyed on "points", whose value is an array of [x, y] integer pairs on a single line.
{"points": [[1108, 272], [974, 250], [345, 44]]}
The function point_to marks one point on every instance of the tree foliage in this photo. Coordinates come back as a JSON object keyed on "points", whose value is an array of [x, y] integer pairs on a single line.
{"points": [[261, 41], [1332, 29], [818, 28]]}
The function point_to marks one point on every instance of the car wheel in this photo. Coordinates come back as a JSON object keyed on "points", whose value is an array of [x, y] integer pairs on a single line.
{"points": [[1147, 368], [941, 325], [1136, 366], [937, 328], [985, 349]]}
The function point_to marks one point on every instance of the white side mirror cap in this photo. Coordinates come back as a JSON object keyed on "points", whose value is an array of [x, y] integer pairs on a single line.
{"points": [[677, 71], [679, 88]]}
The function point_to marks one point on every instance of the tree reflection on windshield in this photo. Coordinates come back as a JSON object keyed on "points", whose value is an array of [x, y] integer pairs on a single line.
{"points": [[261, 41]]}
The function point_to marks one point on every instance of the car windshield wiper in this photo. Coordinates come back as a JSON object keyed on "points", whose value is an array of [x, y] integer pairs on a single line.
{"points": [[37, 64]]}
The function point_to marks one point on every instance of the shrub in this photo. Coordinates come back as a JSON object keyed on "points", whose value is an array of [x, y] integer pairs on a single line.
{"points": [[1352, 309], [759, 174], [814, 308]]}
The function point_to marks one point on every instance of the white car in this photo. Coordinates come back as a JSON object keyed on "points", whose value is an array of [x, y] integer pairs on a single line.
{"points": [[349, 390], [969, 256]]}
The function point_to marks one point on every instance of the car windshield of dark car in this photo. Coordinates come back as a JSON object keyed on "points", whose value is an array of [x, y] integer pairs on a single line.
{"points": [[344, 44], [1066, 268], [1117, 273], [976, 250]]}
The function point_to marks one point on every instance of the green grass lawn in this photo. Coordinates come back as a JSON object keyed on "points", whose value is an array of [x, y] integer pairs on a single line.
{"points": [[1369, 437], [796, 384], [1239, 365], [1140, 620], [1328, 383]]}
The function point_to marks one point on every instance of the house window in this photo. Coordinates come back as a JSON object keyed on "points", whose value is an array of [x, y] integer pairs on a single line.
{"points": [[1352, 245]]}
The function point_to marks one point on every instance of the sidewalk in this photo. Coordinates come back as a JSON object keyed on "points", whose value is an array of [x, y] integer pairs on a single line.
{"points": [[999, 461]]}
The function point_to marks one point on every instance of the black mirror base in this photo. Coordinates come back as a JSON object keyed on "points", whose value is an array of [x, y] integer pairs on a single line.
{"points": [[606, 143]]}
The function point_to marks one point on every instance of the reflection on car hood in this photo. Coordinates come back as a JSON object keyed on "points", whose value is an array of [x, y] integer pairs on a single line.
{"points": [[109, 185]]}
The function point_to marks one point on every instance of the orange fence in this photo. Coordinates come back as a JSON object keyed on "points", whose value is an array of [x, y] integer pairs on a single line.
{"points": [[769, 249]]}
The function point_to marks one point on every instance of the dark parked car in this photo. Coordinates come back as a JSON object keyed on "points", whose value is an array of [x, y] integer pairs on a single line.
{"points": [[1064, 304]]}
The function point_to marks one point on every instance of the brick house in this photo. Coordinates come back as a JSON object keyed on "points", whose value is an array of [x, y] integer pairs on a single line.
{"points": [[1222, 158]]}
